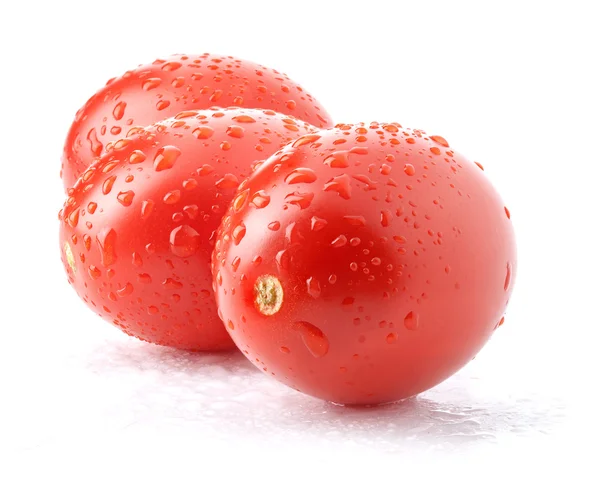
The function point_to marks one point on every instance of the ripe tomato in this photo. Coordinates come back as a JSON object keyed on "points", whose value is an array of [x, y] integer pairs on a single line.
{"points": [[137, 231], [376, 264], [166, 87]]}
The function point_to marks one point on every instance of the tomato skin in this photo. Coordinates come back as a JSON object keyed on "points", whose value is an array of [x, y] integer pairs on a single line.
{"points": [[157, 91], [137, 231], [394, 255]]}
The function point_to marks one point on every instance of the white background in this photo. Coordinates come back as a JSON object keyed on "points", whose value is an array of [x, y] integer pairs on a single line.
{"points": [[87, 411]]}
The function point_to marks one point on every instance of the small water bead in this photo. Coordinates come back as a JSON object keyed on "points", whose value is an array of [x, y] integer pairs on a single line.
{"points": [[313, 287], [184, 241], [126, 198], [172, 197], [147, 208], [409, 169], [227, 182], [358, 221], [338, 159], [203, 132], [165, 157], [507, 212], [300, 199], [244, 119], [508, 276], [238, 233], [313, 338], [151, 83], [440, 140], [260, 199], [341, 185], [339, 241], [274, 225], [119, 110], [106, 240], [317, 223], [411, 321], [108, 184], [301, 175], [235, 131]]}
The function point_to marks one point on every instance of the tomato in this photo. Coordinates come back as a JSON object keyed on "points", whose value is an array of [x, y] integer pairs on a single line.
{"points": [[138, 229], [376, 264], [166, 87]]}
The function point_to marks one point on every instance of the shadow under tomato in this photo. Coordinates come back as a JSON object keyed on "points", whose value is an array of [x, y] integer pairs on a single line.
{"points": [[226, 393]]}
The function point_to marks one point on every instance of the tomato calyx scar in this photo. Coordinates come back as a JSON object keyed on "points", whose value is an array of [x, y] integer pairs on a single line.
{"points": [[70, 258], [268, 295]]}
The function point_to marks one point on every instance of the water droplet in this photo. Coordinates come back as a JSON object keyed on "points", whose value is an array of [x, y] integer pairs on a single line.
{"points": [[144, 278], [125, 290], [165, 157], [203, 132], [171, 284], [302, 200], [399, 239], [126, 198], [228, 181], [507, 212], [191, 211], [119, 110], [391, 338], [94, 272], [171, 66], [240, 200], [235, 131], [238, 233], [136, 157], [161, 105], [108, 184], [357, 221], [244, 119], [205, 169], [439, 140], [136, 259], [301, 175], [305, 140], [283, 259], [172, 197], [284, 349], [151, 83], [435, 151], [95, 144], [338, 159], [184, 241], [508, 276], [106, 240], [274, 225], [375, 261], [411, 321], [339, 241], [409, 169], [261, 199], [314, 339], [147, 207], [317, 223], [313, 287], [73, 218], [341, 185], [386, 217], [479, 165]]}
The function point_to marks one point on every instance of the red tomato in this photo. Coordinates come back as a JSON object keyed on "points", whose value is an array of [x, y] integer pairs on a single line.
{"points": [[166, 87], [137, 231], [377, 263]]}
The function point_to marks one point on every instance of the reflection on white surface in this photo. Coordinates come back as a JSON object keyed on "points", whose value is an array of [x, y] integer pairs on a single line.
{"points": [[134, 386]]}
